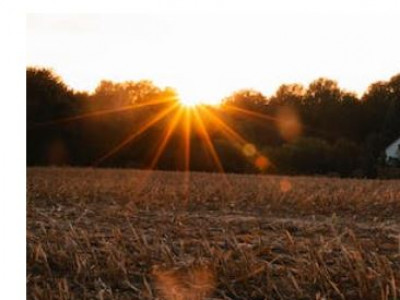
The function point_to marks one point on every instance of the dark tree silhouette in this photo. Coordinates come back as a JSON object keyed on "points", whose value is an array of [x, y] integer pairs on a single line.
{"points": [[123, 125]]}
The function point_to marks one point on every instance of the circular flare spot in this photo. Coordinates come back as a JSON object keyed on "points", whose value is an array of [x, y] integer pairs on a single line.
{"points": [[285, 185], [249, 150], [289, 124], [262, 162]]}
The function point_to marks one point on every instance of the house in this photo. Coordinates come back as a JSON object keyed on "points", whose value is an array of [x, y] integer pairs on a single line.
{"points": [[393, 153]]}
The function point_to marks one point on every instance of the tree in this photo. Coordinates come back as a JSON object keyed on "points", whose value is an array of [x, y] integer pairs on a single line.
{"points": [[47, 96], [338, 132], [246, 99], [345, 155], [288, 95], [48, 99]]}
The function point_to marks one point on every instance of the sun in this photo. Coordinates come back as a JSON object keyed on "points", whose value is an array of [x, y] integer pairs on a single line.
{"points": [[189, 102], [189, 98], [192, 98]]}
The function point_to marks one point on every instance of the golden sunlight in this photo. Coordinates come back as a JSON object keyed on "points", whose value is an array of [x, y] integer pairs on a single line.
{"points": [[189, 102], [204, 67], [191, 97], [193, 149]]}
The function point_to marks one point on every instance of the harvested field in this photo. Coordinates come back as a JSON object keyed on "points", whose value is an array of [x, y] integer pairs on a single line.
{"points": [[127, 234]]}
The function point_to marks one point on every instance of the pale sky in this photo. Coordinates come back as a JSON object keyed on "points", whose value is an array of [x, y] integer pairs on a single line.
{"points": [[208, 55]]}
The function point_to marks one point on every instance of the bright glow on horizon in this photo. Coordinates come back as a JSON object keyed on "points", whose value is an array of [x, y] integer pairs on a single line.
{"points": [[192, 96], [207, 57], [189, 102]]}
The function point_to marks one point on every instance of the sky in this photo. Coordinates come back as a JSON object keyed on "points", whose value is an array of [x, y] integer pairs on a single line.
{"points": [[272, 42], [207, 55]]}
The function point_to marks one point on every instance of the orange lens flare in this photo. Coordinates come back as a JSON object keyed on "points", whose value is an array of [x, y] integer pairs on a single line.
{"points": [[287, 121], [102, 112], [196, 282], [250, 113], [187, 127], [262, 162], [134, 135], [186, 138], [248, 149], [205, 136], [289, 124], [166, 138], [235, 137], [285, 185]]}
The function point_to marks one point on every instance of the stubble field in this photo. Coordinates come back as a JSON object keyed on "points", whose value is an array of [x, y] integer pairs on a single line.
{"points": [[127, 234]]}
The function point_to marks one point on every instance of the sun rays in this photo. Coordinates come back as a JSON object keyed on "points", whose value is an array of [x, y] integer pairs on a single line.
{"points": [[239, 142], [166, 137], [159, 116], [190, 115], [104, 112], [206, 138], [185, 121]]}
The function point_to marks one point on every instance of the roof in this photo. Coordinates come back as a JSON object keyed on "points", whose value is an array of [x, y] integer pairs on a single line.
{"points": [[395, 142]]}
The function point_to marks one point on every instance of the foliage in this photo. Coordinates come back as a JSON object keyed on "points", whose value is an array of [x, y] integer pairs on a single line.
{"points": [[335, 130]]}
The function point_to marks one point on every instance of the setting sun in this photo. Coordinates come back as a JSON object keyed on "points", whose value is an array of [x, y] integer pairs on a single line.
{"points": [[202, 152], [189, 103], [206, 61], [191, 99]]}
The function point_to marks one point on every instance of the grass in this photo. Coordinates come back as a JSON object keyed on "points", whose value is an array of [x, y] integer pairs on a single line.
{"points": [[126, 234]]}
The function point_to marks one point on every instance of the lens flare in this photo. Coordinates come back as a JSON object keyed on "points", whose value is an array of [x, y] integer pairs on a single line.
{"points": [[249, 150], [262, 162], [285, 185], [196, 282], [289, 124]]}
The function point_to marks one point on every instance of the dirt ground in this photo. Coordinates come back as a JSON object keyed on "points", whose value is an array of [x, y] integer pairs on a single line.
{"points": [[129, 234]]}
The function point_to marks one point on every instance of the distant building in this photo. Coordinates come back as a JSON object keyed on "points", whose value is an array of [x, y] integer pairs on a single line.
{"points": [[393, 153]]}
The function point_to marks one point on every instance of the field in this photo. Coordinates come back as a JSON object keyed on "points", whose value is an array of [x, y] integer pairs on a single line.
{"points": [[126, 234]]}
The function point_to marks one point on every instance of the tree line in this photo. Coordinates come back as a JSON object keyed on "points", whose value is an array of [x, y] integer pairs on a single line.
{"points": [[318, 129]]}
